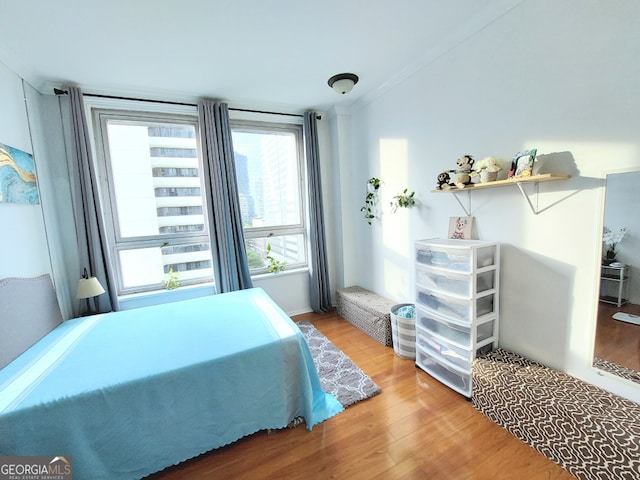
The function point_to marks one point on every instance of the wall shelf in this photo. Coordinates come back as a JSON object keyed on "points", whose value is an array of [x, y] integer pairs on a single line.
{"points": [[518, 181]]}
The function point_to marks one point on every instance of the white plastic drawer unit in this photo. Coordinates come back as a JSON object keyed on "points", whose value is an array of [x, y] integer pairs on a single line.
{"points": [[459, 380], [455, 255], [455, 283], [456, 308], [457, 333], [448, 352]]}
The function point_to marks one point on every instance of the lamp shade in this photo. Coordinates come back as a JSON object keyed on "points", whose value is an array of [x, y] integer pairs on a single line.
{"points": [[89, 287], [343, 82]]}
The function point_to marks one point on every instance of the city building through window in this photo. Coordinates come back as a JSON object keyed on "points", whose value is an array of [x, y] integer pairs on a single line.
{"points": [[154, 203]]}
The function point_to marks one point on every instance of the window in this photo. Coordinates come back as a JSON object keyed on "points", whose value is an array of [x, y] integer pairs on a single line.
{"points": [[270, 179], [153, 198], [152, 192]]}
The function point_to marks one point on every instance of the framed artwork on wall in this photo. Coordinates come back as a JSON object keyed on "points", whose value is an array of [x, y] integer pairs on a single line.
{"points": [[522, 164], [18, 183]]}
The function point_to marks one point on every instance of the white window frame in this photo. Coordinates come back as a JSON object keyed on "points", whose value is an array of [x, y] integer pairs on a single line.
{"points": [[116, 242], [256, 126]]}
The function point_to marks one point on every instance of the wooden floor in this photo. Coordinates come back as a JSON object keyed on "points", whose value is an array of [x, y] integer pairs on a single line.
{"points": [[415, 429], [618, 342]]}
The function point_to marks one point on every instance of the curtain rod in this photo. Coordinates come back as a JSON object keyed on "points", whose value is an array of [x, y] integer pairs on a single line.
{"points": [[58, 91]]}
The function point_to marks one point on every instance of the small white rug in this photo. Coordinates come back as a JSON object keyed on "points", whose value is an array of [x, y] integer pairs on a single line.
{"points": [[627, 317]]}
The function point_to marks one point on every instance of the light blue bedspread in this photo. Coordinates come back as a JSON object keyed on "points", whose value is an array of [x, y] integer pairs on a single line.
{"points": [[129, 393]]}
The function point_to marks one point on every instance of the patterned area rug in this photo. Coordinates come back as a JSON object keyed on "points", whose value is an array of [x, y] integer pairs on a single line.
{"points": [[338, 374], [616, 369], [588, 431]]}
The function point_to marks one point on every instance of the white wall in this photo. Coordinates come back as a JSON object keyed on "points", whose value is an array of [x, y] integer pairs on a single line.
{"points": [[23, 246], [557, 76]]}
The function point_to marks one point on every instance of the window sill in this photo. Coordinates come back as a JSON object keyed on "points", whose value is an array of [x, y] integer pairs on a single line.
{"points": [[156, 297], [285, 273]]}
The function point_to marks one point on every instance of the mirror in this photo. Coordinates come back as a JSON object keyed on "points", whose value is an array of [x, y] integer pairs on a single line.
{"points": [[617, 342]]}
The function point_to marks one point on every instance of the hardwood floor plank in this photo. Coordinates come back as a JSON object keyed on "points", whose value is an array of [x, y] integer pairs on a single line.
{"points": [[415, 429], [617, 341]]}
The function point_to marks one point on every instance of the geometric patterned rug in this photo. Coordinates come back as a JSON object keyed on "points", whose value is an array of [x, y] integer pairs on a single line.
{"points": [[338, 374], [616, 369], [590, 432]]}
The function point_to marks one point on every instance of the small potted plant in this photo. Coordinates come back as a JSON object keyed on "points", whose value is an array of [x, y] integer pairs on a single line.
{"points": [[172, 280], [274, 266], [488, 169], [611, 240]]}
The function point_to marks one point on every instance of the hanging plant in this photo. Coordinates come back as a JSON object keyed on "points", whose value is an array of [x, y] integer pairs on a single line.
{"points": [[403, 200], [371, 199]]}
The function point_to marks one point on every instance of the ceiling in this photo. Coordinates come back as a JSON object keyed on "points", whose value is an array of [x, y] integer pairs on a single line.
{"points": [[255, 53]]}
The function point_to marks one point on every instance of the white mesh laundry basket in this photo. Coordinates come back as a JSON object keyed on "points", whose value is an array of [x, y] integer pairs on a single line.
{"points": [[403, 330]]}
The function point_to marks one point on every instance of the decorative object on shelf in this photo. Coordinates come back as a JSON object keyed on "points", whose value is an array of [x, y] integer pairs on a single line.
{"points": [[371, 199], [522, 164], [488, 169], [275, 266], [404, 200], [443, 181], [515, 181], [611, 240], [464, 171], [172, 280], [460, 228]]}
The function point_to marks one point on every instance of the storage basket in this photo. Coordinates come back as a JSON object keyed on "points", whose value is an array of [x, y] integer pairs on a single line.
{"points": [[403, 330]]}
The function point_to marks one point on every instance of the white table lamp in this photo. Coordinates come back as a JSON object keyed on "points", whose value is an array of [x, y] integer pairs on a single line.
{"points": [[88, 287]]}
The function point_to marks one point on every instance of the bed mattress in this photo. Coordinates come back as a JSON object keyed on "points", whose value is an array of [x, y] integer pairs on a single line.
{"points": [[129, 393]]}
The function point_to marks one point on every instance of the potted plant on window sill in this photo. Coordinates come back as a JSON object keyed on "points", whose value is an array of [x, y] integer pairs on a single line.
{"points": [[172, 280], [274, 266]]}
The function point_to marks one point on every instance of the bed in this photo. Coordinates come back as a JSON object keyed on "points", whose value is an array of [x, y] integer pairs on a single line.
{"points": [[129, 393]]}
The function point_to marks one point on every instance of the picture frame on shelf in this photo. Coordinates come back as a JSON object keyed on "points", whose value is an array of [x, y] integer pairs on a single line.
{"points": [[460, 228], [522, 164]]}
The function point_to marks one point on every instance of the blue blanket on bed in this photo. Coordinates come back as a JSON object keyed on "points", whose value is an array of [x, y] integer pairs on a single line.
{"points": [[129, 393]]}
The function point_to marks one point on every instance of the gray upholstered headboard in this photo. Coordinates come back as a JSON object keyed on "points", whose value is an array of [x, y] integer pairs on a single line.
{"points": [[28, 311]]}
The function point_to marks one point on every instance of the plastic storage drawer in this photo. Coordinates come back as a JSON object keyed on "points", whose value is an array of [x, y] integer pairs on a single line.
{"points": [[461, 309], [443, 350], [447, 351], [451, 258], [455, 283], [457, 333], [452, 377]]}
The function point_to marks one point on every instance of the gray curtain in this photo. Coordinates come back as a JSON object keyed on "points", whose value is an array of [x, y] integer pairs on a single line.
{"points": [[92, 246], [230, 264], [320, 291]]}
